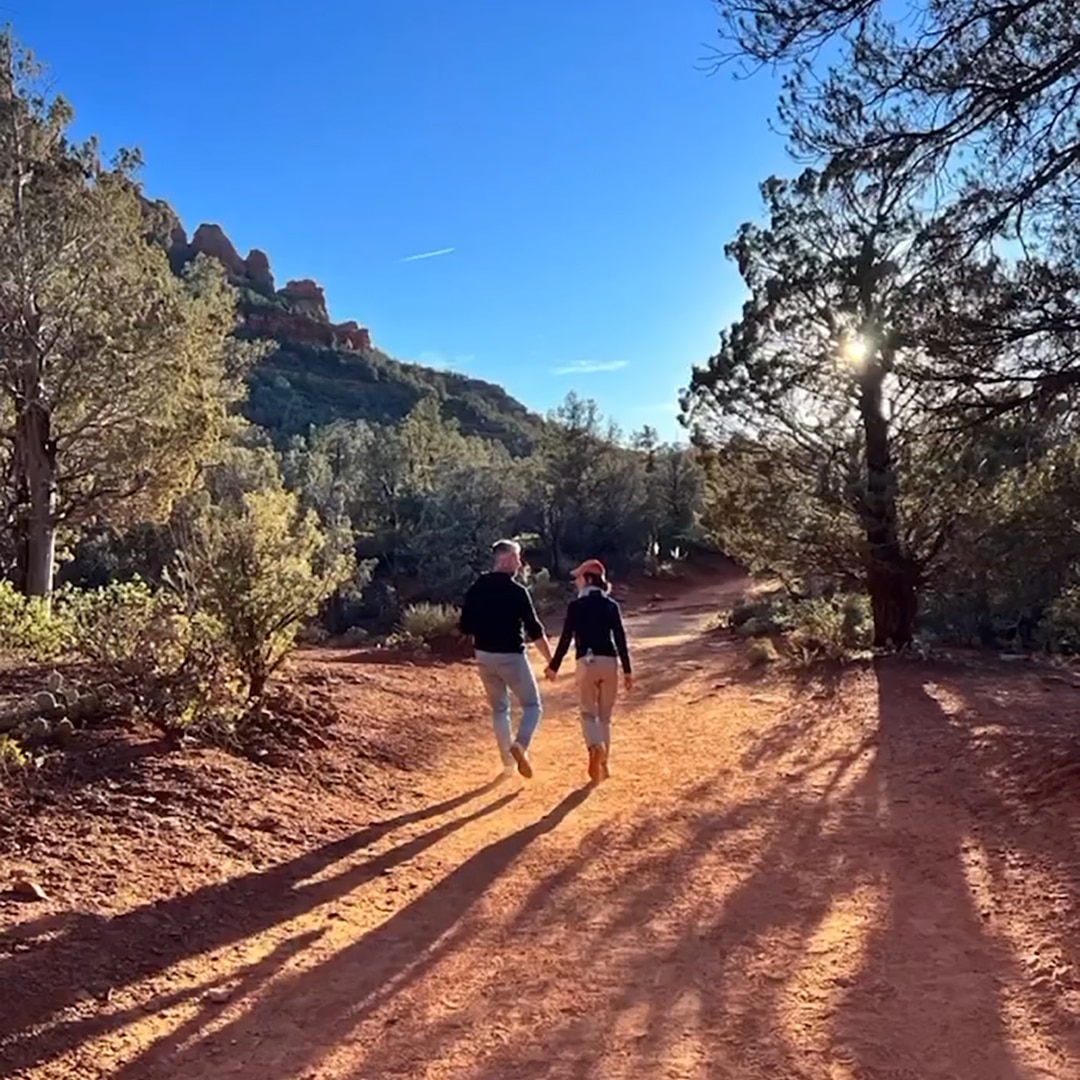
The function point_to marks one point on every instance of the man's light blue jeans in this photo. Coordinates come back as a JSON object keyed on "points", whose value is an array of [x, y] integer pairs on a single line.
{"points": [[504, 674]]}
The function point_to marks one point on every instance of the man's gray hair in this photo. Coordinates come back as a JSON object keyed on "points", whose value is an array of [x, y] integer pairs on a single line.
{"points": [[505, 547]]}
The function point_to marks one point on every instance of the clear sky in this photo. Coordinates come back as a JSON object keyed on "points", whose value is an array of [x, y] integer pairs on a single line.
{"points": [[575, 155]]}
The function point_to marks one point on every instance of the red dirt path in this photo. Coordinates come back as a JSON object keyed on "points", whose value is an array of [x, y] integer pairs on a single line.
{"points": [[874, 877]]}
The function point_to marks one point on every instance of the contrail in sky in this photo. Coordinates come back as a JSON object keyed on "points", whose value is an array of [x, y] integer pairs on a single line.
{"points": [[428, 255], [590, 367]]}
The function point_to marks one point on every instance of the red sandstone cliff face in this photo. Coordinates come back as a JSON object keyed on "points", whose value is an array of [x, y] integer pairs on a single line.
{"points": [[290, 326], [211, 240], [306, 298], [258, 270], [305, 317]]}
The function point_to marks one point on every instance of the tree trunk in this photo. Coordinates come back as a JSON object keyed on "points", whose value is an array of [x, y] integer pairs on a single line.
{"points": [[35, 457], [890, 574]]}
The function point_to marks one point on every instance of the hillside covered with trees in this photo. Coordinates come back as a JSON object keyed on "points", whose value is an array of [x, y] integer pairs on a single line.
{"points": [[196, 464], [311, 371]]}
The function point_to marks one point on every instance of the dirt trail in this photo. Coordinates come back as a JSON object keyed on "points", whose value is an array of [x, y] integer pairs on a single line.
{"points": [[817, 882]]}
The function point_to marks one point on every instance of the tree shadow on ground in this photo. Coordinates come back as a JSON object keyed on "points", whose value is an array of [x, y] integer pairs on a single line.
{"points": [[328, 1001], [855, 941], [97, 955], [825, 915]]}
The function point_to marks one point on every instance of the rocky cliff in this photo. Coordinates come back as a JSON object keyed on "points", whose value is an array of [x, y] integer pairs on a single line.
{"points": [[296, 312], [320, 371]]}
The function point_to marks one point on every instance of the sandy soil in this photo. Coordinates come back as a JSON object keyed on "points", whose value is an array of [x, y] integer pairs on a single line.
{"points": [[869, 875]]}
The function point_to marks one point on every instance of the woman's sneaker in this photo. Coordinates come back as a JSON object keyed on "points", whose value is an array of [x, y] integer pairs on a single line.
{"points": [[596, 764]]}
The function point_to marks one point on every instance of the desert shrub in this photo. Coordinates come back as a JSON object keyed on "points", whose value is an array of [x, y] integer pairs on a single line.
{"points": [[430, 622], [356, 635], [257, 568], [106, 624], [185, 677], [547, 592], [760, 614], [761, 653], [13, 757], [312, 634], [28, 627], [758, 626], [1059, 629], [830, 629]]}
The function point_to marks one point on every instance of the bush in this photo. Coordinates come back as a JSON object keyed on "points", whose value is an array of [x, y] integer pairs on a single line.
{"points": [[12, 757], [547, 592], [430, 622], [830, 629], [762, 614], [106, 625], [258, 568], [186, 679], [28, 627], [312, 634], [761, 653], [758, 626], [1059, 629], [103, 625]]}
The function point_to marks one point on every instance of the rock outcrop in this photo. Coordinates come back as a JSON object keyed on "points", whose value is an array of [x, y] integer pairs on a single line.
{"points": [[353, 335], [300, 314], [288, 326], [305, 297], [257, 266], [211, 240]]}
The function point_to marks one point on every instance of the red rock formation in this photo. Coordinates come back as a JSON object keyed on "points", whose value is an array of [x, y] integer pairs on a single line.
{"points": [[353, 336], [305, 297], [258, 270], [211, 240], [286, 326]]}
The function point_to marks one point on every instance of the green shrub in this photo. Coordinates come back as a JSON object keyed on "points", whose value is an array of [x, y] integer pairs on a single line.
{"points": [[106, 625], [758, 626], [772, 608], [761, 653], [12, 756], [547, 592], [28, 628], [1059, 629], [430, 622], [830, 629], [186, 679], [258, 568]]}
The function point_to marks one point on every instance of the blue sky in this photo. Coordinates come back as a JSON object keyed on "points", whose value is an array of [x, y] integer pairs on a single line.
{"points": [[575, 156]]}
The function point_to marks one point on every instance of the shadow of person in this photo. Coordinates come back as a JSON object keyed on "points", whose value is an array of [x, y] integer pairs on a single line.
{"points": [[96, 954], [322, 1005]]}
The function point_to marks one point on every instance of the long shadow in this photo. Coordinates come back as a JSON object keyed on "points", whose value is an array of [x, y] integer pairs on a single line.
{"points": [[327, 1002], [729, 983], [621, 968], [927, 1000], [96, 954]]}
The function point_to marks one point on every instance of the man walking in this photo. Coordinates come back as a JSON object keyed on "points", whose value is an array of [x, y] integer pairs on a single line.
{"points": [[498, 614]]}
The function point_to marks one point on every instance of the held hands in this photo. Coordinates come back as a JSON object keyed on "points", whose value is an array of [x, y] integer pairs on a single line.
{"points": [[551, 673], [628, 681]]}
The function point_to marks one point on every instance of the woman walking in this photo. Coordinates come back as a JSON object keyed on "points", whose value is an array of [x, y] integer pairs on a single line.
{"points": [[594, 624]]}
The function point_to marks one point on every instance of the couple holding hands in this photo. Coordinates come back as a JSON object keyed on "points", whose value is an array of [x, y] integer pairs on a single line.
{"points": [[500, 617]]}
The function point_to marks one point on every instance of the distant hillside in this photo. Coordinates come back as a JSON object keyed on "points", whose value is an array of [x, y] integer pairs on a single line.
{"points": [[322, 371]]}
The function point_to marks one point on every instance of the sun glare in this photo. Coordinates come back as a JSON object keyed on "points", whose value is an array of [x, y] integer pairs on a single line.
{"points": [[854, 349]]}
